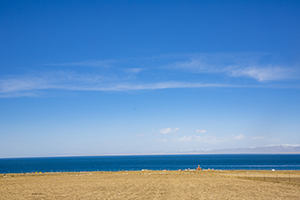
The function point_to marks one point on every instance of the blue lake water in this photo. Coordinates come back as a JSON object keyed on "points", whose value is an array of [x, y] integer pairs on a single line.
{"points": [[153, 162]]}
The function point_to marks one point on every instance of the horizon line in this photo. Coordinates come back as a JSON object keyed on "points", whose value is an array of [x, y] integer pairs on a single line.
{"points": [[150, 154]]}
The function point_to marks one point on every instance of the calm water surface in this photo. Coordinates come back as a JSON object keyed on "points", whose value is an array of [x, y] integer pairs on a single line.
{"points": [[153, 162]]}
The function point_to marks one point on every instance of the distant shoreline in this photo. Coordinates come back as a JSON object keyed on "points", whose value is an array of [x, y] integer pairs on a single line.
{"points": [[151, 154]]}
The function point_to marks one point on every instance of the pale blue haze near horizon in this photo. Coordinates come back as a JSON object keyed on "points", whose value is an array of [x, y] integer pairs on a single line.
{"points": [[139, 77]]}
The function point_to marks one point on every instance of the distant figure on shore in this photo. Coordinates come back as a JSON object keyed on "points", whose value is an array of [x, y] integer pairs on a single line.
{"points": [[199, 168]]}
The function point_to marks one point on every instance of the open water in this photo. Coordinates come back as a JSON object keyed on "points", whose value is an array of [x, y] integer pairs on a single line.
{"points": [[153, 162]]}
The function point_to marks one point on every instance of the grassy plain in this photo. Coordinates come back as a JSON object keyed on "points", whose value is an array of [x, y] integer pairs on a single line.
{"points": [[153, 185]]}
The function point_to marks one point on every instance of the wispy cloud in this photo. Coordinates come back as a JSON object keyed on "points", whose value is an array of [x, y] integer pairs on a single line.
{"points": [[269, 73], [87, 63], [209, 138], [196, 65], [19, 84], [240, 137], [134, 70], [259, 66], [257, 137], [140, 135], [237, 65], [31, 84], [161, 72], [201, 131], [197, 138], [161, 140], [168, 130], [43, 81], [18, 94]]}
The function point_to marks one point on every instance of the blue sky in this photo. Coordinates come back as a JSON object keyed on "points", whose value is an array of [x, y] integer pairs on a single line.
{"points": [[127, 77]]}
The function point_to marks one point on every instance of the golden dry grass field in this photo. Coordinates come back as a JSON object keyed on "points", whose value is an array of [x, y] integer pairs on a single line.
{"points": [[152, 185]]}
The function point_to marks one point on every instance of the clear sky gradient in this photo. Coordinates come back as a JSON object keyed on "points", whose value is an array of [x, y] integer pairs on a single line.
{"points": [[127, 77]]}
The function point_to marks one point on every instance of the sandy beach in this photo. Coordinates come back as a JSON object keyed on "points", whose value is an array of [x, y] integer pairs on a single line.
{"points": [[152, 185]]}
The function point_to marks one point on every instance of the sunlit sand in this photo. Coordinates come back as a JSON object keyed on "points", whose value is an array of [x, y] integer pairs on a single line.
{"points": [[206, 184]]}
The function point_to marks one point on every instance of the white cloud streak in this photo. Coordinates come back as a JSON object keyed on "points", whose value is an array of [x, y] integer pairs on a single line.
{"points": [[124, 75], [168, 130], [134, 70], [258, 138], [240, 137], [209, 138], [269, 73], [195, 138], [236, 65], [140, 135], [201, 131], [17, 86], [91, 63]]}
